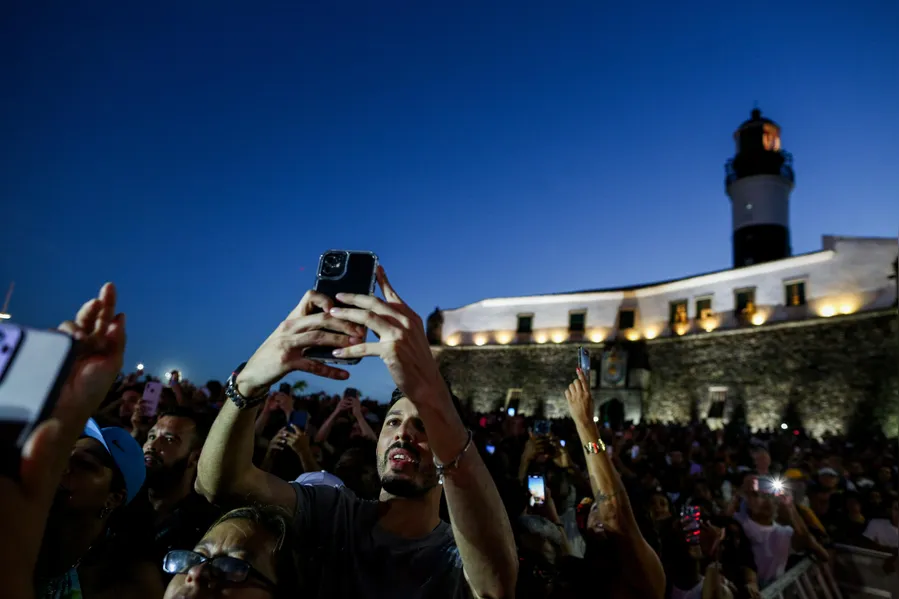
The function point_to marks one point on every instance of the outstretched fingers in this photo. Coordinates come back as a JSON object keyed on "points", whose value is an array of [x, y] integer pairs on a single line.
{"points": [[319, 369], [387, 289], [360, 350], [378, 324]]}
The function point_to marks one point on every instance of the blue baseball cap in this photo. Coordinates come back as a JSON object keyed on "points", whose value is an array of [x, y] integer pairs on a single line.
{"points": [[125, 451]]}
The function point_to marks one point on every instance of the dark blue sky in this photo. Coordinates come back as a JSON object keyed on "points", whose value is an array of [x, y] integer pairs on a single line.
{"points": [[203, 158]]}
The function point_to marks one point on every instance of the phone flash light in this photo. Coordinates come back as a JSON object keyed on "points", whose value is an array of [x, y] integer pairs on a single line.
{"points": [[168, 375], [778, 485], [510, 411], [140, 366], [596, 419]]}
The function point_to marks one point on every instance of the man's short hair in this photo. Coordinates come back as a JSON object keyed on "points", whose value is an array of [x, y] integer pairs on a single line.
{"points": [[201, 422], [457, 403]]}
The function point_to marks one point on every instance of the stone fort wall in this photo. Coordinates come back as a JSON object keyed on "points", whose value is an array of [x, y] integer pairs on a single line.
{"points": [[830, 369]]}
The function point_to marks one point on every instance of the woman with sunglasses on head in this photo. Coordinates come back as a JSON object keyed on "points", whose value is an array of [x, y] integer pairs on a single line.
{"points": [[246, 554]]}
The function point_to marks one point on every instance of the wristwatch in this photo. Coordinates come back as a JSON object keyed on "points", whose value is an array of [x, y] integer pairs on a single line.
{"points": [[234, 395]]}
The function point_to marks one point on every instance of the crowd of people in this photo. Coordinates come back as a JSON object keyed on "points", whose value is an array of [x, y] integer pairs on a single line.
{"points": [[244, 488]]}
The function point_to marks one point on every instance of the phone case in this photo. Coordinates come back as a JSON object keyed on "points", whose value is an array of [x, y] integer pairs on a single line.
{"points": [[152, 395], [32, 373], [358, 277]]}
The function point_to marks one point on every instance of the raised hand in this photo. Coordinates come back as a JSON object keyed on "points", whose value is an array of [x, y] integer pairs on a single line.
{"points": [[580, 401], [25, 503], [296, 439], [283, 351], [101, 349], [402, 343]]}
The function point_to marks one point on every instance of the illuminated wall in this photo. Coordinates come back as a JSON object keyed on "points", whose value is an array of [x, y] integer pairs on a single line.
{"points": [[848, 276]]}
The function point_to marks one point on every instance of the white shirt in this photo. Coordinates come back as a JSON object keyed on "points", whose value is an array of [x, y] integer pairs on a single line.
{"points": [[882, 532], [771, 547]]}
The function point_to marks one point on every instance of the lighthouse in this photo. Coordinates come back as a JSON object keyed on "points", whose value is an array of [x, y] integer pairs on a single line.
{"points": [[759, 181]]}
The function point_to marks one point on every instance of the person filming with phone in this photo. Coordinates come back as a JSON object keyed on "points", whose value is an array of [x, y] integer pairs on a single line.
{"points": [[397, 546], [618, 546]]}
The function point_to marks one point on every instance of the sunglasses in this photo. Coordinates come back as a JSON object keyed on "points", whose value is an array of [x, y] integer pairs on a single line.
{"points": [[222, 568]]}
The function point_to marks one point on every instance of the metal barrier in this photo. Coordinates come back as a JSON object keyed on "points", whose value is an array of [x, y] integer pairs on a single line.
{"points": [[805, 580], [856, 573], [865, 573]]}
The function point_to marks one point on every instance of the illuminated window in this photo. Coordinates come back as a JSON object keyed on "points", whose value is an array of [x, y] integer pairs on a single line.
{"points": [[795, 293], [771, 138], [525, 324], [744, 301], [704, 308], [577, 322], [626, 319], [677, 312]]}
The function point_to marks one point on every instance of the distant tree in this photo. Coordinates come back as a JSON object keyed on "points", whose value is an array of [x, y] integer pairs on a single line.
{"points": [[299, 387]]}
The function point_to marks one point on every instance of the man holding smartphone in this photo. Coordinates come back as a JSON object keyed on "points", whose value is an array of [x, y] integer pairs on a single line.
{"points": [[404, 549]]}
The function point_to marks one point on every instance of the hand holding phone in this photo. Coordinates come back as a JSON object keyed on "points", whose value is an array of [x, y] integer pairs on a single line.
{"points": [[583, 361], [343, 271], [298, 418], [34, 364], [537, 489]]}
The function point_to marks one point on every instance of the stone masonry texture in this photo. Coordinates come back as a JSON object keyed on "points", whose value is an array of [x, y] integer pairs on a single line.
{"points": [[831, 370]]}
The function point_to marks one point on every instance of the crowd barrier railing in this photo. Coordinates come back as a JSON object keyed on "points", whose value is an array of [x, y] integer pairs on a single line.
{"points": [[855, 573], [865, 573], [805, 580]]}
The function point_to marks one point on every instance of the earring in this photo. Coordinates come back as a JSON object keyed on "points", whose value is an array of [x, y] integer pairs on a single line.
{"points": [[105, 512]]}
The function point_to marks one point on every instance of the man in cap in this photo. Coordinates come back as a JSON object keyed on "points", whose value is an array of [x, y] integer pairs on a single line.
{"points": [[105, 471]]}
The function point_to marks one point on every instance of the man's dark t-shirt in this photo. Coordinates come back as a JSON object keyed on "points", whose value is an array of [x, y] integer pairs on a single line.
{"points": [[353, 557]]}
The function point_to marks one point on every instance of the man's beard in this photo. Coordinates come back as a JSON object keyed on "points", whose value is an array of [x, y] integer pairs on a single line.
{"points": [[404, 487], [163, 478]]}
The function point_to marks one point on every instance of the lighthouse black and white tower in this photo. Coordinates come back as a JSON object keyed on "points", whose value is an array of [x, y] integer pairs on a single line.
{"points": [[759, 182]]}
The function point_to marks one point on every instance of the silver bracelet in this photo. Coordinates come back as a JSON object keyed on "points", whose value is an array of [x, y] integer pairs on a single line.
{"points": [[442, 468]]}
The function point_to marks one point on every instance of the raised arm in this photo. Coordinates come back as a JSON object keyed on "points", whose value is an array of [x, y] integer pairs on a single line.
{"points": [[480, 524], [25, 501], [226, 472], [647, 578]]}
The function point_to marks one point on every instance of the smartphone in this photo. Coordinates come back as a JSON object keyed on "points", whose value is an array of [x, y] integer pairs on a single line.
{"points": [[490, 449], [537, 488], [343, 271], [34, 364], [583, 361], [691, 518], [635, 451], [298, 418], [152, 393], [350, 392], [542, 427]]}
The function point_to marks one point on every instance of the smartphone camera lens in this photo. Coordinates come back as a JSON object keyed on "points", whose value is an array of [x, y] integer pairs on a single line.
{"points": [[332, 264]]}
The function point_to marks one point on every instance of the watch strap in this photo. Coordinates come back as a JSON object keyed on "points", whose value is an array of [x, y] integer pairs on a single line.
{"points": [[234, 395]]}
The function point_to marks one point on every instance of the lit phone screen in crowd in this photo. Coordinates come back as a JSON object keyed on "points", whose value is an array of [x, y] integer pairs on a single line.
{"points": [[537, 489], [490, 449]]}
